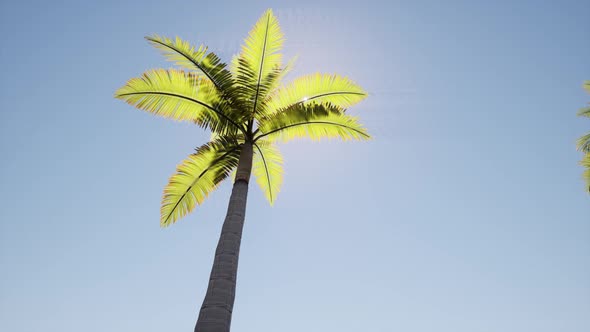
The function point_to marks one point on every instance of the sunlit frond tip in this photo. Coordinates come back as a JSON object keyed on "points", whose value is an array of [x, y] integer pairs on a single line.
{"points": [[267, 167], [183, 54], [262, 47], [179, 51]]}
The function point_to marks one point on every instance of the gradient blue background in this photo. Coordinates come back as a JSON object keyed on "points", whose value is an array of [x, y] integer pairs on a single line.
{"points": [[466, 212]]}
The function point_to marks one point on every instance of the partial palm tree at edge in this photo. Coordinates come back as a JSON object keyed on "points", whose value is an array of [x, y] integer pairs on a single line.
{"points": [[584, 142], [248, 111]]}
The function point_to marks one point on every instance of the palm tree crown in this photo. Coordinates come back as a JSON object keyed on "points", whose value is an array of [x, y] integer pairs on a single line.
{"points": [[245, 103], [584, 142], [248, 111]]}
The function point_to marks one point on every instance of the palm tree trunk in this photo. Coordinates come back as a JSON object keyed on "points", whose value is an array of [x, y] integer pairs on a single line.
{"points": [[216, 311]]}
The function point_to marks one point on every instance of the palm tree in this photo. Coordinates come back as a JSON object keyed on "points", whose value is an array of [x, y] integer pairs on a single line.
{"points": [[584, 142], [248, 111]]}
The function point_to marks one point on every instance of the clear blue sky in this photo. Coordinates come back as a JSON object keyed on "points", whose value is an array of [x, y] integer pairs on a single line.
{"points": [[466, 212]]}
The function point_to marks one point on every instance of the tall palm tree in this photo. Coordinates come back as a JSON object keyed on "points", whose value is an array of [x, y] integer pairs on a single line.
{"points": [[248, 111], [584, 142]]}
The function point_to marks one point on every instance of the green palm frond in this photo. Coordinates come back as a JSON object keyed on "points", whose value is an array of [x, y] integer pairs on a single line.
{"points": [[184, 54], [181, 96], [313, 121], [271, 86], [247, 88], [179, 51], [583, 143], [234, 65], [586, 110], [586, 175], [243, 103], [267, 167], [259, 63], [287, 68], [280, 75], [197, 176], [318, 89]]}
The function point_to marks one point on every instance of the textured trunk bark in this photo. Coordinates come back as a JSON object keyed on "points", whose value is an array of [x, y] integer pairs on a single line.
{"points": [[216, 311]]}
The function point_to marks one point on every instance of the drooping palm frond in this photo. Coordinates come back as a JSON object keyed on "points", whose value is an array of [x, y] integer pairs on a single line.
{"points": [[585, 162], [259, 63], [267, 167], [197, 176], [181, 96], [313, 121], [317, 89], [184, 54], [583, 143]]}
